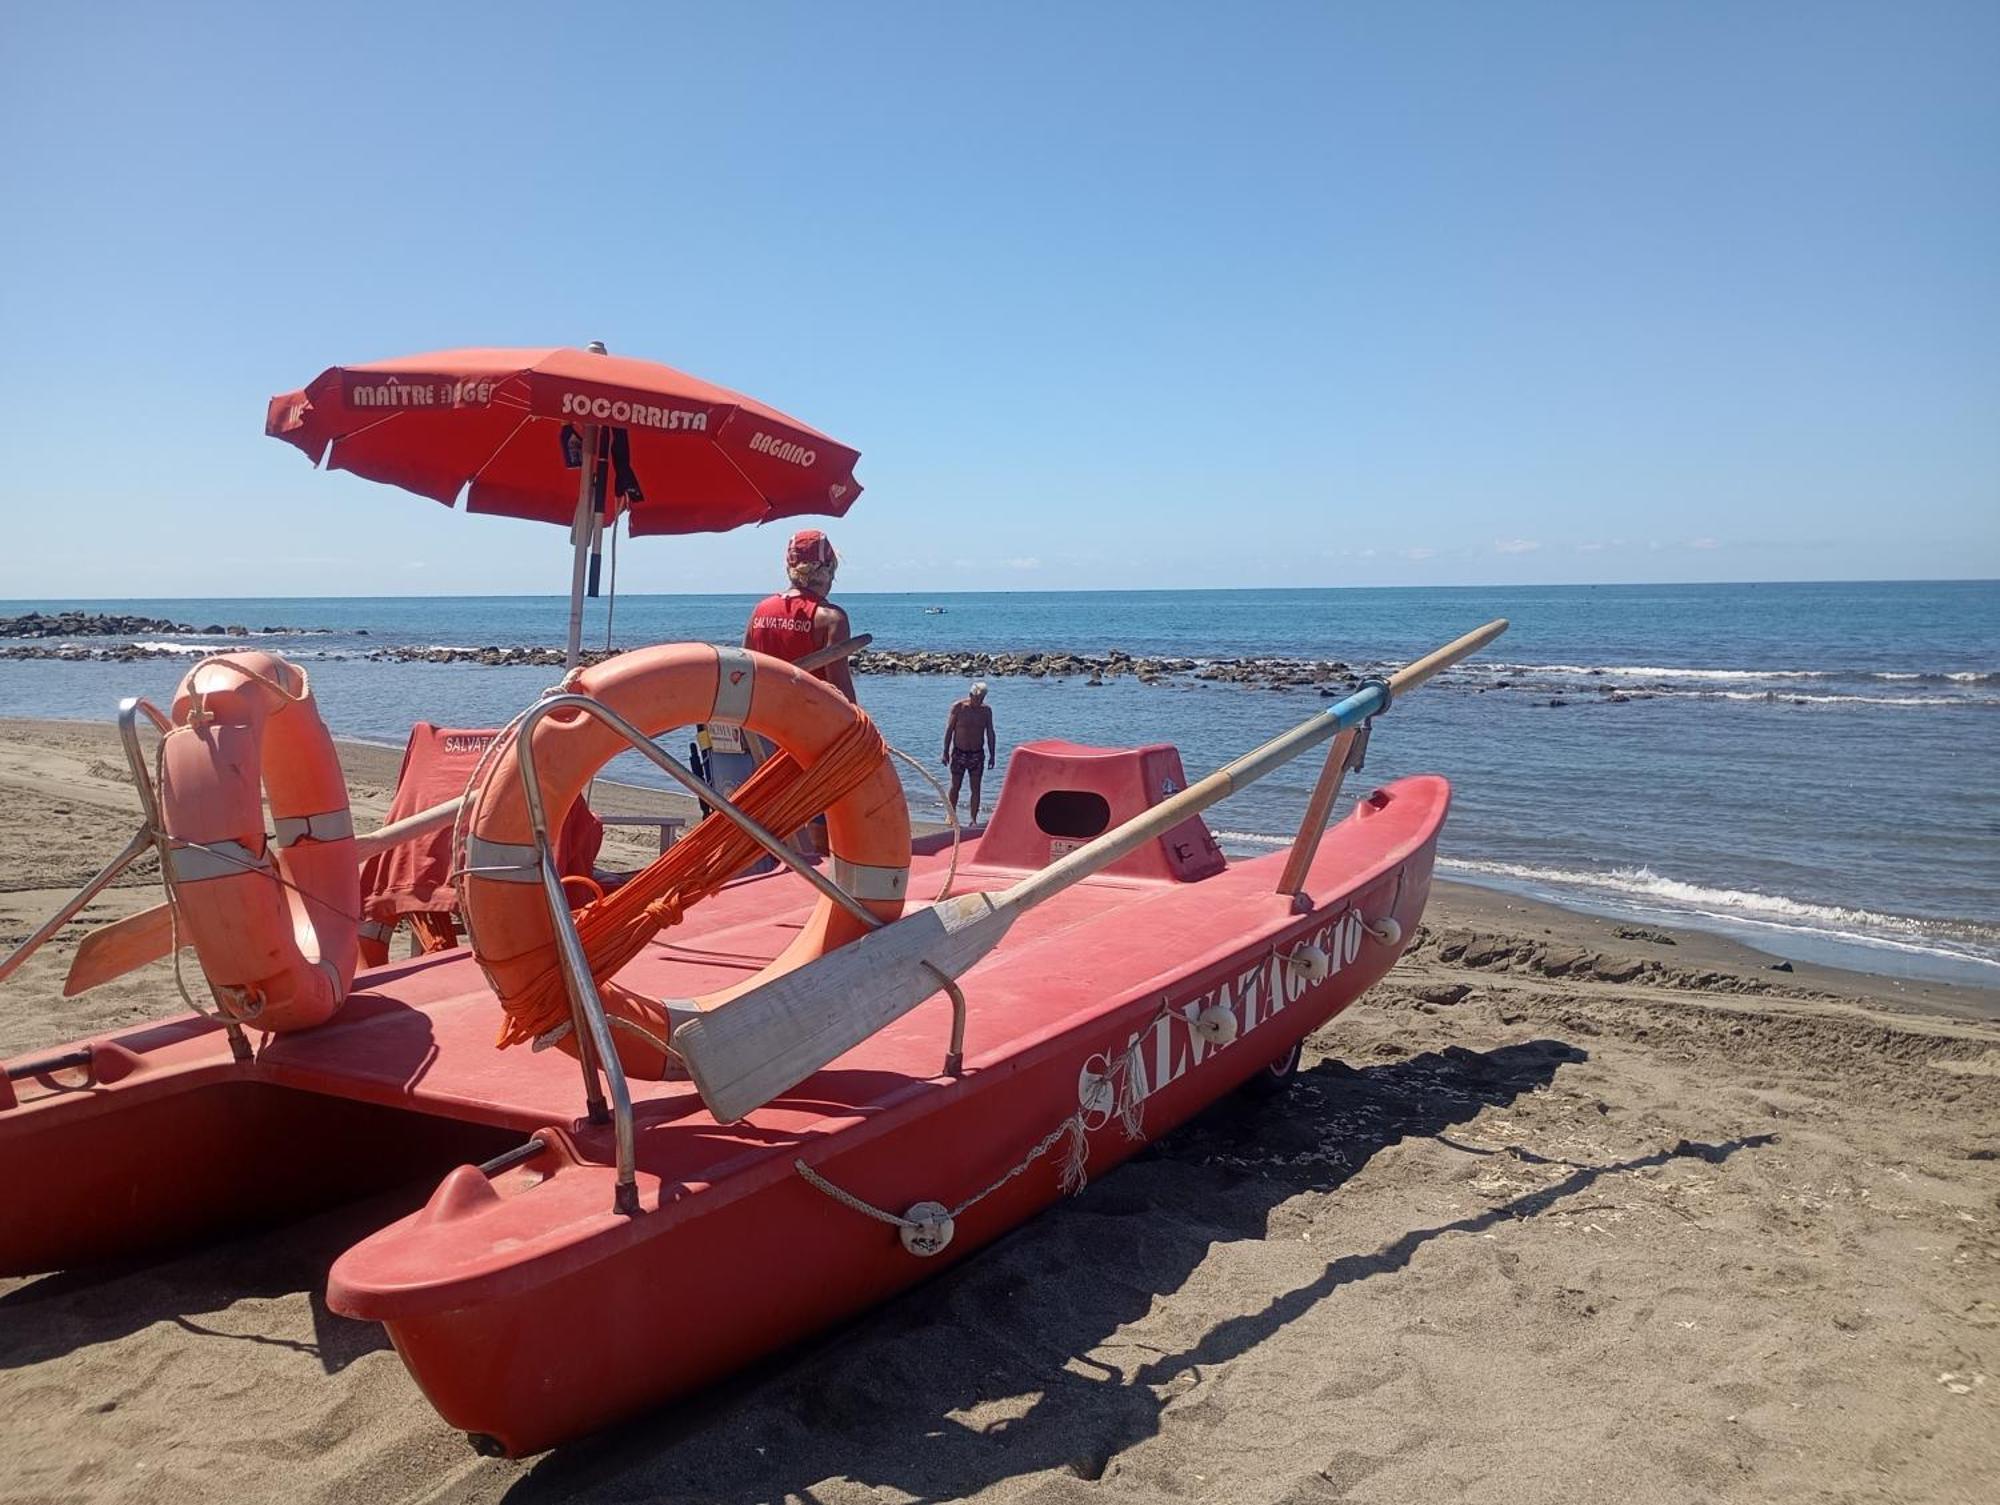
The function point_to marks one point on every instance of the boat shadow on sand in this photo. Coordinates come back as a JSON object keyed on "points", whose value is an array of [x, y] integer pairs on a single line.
{"points": [[881, 1401]]}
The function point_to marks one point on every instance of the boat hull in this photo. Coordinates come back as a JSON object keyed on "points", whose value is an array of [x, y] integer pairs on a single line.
{"points": [[527, 1309], [778, 1259]]}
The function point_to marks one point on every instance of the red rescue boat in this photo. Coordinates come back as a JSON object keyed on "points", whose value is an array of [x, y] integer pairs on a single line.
{"points": [[568, 1272]]}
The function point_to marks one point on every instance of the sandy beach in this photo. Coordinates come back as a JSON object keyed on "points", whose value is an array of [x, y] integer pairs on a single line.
{"points": [[1566, 1210]]}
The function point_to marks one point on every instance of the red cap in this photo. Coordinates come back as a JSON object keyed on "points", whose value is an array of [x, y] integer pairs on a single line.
{"points": [[809, 546]]}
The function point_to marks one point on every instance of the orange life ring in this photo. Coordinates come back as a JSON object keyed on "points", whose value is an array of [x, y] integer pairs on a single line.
{"points": [[273, 921], [676, 684]]}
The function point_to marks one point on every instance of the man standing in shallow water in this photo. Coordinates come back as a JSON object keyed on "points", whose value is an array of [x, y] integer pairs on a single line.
{"points": [[968, 732]]}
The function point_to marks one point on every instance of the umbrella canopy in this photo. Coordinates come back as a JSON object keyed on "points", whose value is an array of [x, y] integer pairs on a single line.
{"points": [[687, 456]]}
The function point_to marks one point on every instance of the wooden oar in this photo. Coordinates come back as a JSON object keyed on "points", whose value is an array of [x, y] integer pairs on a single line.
{"points": [[115, 949], [752, 1048]]}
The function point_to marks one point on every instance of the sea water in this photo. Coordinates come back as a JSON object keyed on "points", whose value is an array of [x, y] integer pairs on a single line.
{"points": [[1810, 767]]}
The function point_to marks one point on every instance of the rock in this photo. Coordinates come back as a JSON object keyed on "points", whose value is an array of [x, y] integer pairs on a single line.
{"points": [[1560, 961], [1781, 966], [1617, 968], [1636, 933], [1443, 992], [1484, 951]]}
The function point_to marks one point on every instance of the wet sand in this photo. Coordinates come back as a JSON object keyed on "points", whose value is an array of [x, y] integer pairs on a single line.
{"points": [[1557, 1213]]}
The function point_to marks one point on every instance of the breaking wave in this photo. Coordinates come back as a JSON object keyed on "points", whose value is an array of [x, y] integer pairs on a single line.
{"points": [[1729, 676], [1794, 697], [1960, 940]]}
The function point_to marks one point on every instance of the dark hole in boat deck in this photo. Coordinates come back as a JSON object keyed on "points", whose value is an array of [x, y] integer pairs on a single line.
{"points": [[1072, 812]]}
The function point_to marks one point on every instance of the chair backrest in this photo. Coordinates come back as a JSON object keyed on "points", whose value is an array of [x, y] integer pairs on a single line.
{"points": [[415, 877]]}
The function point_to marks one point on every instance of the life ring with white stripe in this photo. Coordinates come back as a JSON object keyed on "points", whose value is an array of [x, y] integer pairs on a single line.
{"points": [[657, 689], [273, 920]]}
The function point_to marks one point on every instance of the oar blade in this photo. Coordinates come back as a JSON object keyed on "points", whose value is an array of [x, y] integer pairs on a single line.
{"points": [[766, 1042], [120, 947]]}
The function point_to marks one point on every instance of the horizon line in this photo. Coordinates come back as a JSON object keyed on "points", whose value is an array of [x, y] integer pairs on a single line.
{"points": [[1187, 590]]}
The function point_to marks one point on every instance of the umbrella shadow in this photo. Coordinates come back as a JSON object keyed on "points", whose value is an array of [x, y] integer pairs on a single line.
{"points": [[881, 1402]]}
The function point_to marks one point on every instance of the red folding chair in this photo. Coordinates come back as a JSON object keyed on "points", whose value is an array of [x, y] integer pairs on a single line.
{"points": [[411, 883]]}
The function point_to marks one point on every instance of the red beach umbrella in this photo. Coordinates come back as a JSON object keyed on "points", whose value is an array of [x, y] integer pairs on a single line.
{"points": [[510, 429]]}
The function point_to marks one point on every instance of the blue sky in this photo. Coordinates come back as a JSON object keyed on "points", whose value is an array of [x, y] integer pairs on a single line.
{"points": [[1106, 295]]}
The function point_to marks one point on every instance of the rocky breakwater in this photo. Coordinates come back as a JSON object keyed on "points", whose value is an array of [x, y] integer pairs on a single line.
{"points": [[42, 635], [89, 624], [490, 656], [1327, 676]]}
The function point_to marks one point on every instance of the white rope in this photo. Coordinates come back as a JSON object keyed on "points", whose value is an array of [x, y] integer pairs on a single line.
{"points": [[1073, 1178], [848, 1200]]}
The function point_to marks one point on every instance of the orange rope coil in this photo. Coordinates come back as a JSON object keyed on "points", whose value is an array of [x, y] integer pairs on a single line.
{"points": [[615, 927]]}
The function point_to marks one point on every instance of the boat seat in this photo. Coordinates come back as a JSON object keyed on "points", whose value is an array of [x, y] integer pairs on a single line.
{"points": [[412, 882], [1058, 795]]}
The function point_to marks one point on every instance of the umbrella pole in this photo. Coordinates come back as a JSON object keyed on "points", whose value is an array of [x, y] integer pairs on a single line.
{"points": [[579, 537]]}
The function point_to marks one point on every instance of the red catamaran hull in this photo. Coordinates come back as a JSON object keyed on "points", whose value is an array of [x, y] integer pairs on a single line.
{"points": [[528, 1310]]}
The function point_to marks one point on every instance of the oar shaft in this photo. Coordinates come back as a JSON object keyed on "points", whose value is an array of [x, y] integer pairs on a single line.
{"points": [[1413, 674], [1225, 781], [407, 829], [141, 840], [819, 658]]}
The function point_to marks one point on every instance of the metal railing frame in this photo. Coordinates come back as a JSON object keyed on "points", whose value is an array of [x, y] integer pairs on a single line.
{"points": [[597, 1051]]}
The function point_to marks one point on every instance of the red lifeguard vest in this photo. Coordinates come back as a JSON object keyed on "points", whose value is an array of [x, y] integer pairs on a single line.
{"points": [[782, 626]]}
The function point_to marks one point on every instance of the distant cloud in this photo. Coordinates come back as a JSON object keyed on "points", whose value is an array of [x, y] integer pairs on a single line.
{"points": [[1516, 545], [1026, 562], [1703, 543], [1591, 548], [1421, 551]]}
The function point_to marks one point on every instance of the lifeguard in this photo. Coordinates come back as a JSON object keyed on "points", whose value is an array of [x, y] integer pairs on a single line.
{"points": [[794, 623]]}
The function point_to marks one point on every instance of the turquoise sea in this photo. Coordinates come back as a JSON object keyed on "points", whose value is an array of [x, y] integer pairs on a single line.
{"points": [[1814, 768]]}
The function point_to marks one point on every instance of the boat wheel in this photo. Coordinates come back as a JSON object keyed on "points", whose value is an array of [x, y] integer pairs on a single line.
{"points": [[1276, 1077]]}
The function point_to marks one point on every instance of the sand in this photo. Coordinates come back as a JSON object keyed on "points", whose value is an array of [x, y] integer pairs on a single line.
{"points": [[1557, 1213]]}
